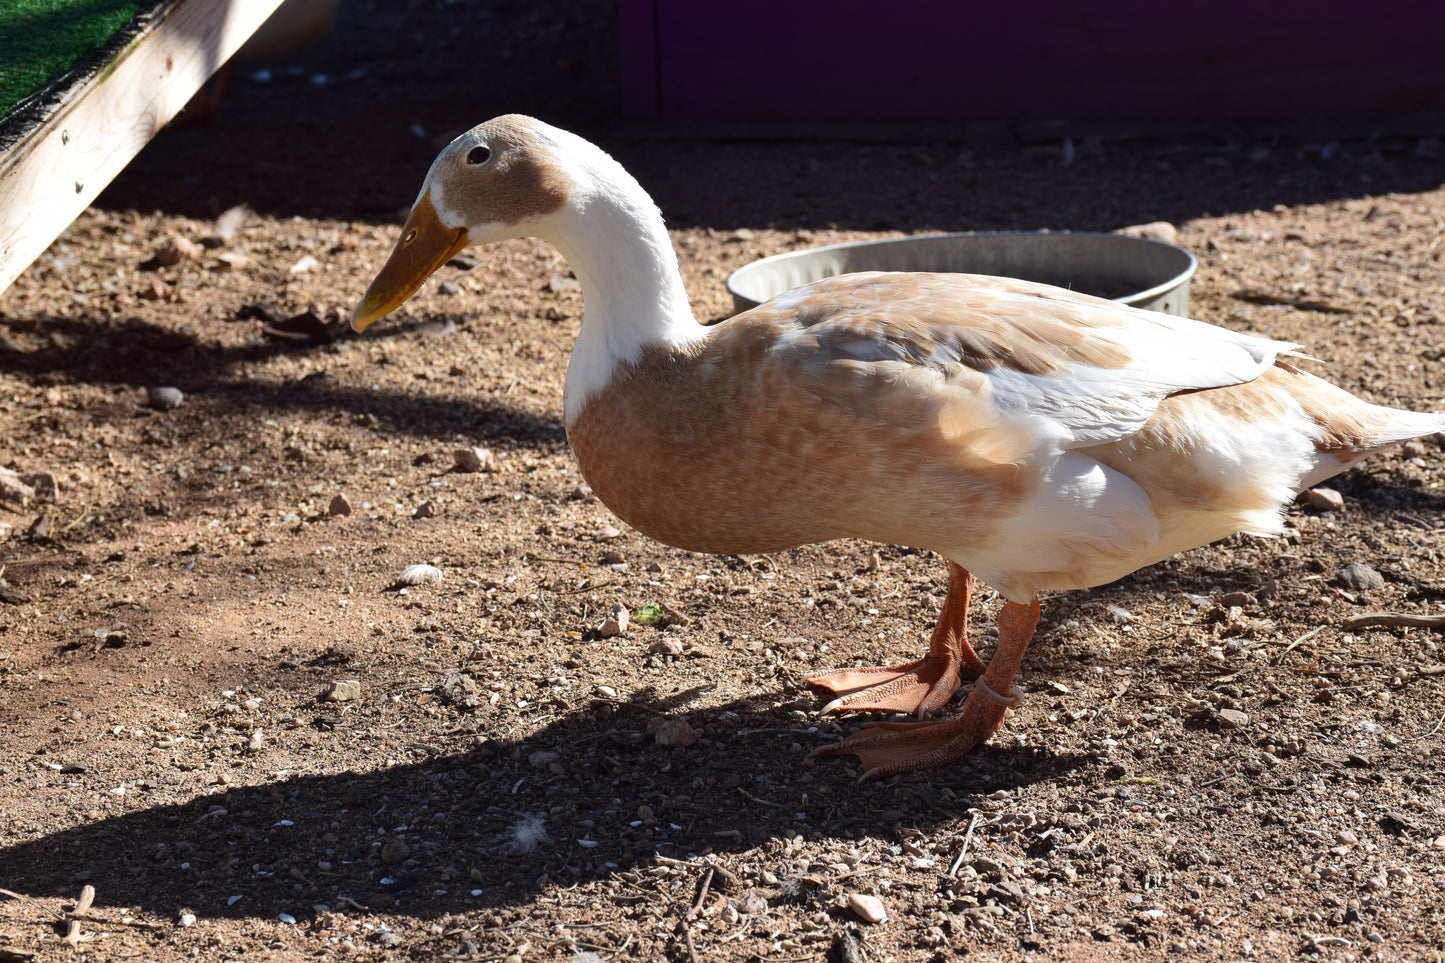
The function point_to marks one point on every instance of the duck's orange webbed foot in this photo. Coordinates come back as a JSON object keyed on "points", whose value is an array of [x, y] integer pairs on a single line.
{"points": [[920, 686], [889, 748]]}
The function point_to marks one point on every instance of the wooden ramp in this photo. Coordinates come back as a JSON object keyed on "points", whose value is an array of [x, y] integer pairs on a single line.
{"points": [[61, 147]]}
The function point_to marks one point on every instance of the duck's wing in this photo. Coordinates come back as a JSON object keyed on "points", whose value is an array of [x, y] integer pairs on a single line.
{"points": [[1082, 370]]}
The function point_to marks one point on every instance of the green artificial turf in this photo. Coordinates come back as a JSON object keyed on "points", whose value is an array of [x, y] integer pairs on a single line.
{"points": [[41, 40]]}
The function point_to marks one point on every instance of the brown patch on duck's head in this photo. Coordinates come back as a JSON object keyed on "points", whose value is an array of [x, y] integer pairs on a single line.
{"points": [[503, 173]]}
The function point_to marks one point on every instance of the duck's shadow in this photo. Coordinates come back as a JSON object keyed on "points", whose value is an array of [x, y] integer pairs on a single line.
{"points": [[440, 832]]}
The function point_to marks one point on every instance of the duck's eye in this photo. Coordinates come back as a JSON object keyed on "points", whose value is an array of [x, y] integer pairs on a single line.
{"points": [[479, 154]]}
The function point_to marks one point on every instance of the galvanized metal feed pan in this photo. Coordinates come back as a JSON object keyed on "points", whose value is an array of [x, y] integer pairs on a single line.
{"points": [[1131, 270]]}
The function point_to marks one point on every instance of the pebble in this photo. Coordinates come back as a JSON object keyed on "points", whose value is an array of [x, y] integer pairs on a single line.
{"points": [[420, 575], [1006, 891], [1241, 599], [616, 623], [1154, 231], [665, 646], [607, 533], [343, 690], [752, 905], [286, 918], [867, 908], [1324, 500], [388, 937], [673, 732], [164, 399], [1360, 577], [186, 919], [176, 249], [424, 510], [339, 506], [1233, 718], [395, 851], [474, 460]]}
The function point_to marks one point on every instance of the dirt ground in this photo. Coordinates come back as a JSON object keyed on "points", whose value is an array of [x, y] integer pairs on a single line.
{"points": [[1212, 762]]}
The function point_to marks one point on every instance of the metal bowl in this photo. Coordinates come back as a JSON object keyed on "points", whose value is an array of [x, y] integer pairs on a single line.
{"points": [[1131, 270]]}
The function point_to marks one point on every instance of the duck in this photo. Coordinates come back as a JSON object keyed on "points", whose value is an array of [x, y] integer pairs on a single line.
{"points": [[1037, 439]]}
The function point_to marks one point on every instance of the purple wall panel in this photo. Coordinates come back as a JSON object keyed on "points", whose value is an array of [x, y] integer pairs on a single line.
{"points": [[1126, 60]]}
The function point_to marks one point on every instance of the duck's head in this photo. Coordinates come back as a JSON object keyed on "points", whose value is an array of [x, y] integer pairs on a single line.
{"points": [[500, 179]]}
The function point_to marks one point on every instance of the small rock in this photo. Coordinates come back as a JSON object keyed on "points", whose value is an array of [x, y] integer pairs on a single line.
{"points": [[395, 851], [1006, 891], [607, 533], [1241, 599], [543, 758], [164, 399], [666, 645], [176, 249], [1360, 577], [186, 919], [867, 908], [1154, 231], [742, 234], [307, 263], [1233, 718], [671, 731], [1324, 500], [752, 905], [339, 506], [474, 459], [420, 575], [343, 690], [385, 937], [563, 285], [616, 623], [424, 510]]}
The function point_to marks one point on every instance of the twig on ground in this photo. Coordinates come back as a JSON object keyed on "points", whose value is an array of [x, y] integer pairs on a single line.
{"points": [[692, 914], [1393, 620], [963, 850], [1299, 641]]}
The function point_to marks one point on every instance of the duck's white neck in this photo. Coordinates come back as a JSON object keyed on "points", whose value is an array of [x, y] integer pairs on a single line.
{"points": [[613, 236]]}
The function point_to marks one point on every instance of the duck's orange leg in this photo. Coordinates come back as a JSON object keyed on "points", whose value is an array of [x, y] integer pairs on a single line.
{"points": [[893, 747], [920, 686]]}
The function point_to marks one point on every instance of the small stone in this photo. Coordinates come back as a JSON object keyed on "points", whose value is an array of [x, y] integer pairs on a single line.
{"points": [[752, 905], [474, 460], [424, 510], [1154, 231], [386, 937], [742, 234], [563, 285], [671, 731], [339, 506], [867, 908], [1230, 600], [667, 645], [1006, 891], [420, 575], [395, 851], [306, 263], [543, 758], [1324, 500], [1360, 577], [186, 919], [607, 533], [343, 690], [164, 399], [176, 249], [1233, 718], [616, 624]]}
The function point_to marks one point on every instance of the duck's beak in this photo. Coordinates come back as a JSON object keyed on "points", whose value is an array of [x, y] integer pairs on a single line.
{"points": [[425, 245]]}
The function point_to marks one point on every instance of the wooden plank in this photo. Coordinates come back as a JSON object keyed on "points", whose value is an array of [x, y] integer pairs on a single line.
{"points": [[56, 168]]}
